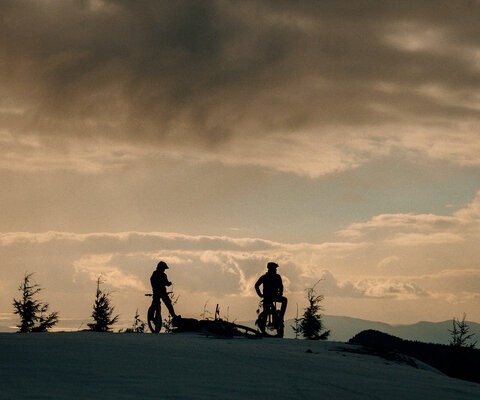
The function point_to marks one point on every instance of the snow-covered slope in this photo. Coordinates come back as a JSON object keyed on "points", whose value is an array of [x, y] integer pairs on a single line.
{"points": [[86, 365]]}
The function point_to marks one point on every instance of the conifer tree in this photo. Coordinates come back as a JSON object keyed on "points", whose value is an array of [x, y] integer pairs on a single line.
{"points": [[102, 312], [460, 334], [310, 326], [138, 325], [34, 316]]}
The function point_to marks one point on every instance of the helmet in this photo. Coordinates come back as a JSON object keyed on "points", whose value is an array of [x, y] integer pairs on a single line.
{"points": [[272, 265], [162, 265]]}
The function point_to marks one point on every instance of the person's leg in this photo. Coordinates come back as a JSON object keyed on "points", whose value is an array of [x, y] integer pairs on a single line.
{"points": [[156, 301], [168, 303], [283, 309], [267, 304]]}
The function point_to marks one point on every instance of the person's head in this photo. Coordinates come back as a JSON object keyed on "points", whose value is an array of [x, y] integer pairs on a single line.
{"points": [[272, 267], [162, 266]]}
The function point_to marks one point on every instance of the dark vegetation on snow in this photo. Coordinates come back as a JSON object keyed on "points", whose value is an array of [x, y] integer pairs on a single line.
{"points": [[454, 361]]}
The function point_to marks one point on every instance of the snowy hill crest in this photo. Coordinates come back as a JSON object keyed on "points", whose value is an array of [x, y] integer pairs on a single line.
{"points": [[188, 366]]}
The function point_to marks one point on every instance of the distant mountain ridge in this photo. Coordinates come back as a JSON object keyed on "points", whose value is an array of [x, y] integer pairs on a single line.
{"points": [[344, 328]]}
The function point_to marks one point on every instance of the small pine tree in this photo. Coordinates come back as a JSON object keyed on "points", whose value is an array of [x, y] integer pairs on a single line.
{"points": [[310, 326], [460, 333], [138, 325], [102, 312], [33, 313]]}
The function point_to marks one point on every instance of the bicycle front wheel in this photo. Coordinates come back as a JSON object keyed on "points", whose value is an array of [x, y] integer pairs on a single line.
{"points": [[154, 318], [268, 325]]}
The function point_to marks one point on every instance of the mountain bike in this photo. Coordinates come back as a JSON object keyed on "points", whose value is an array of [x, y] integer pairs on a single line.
{"points": [[217, 326], [154, 316], [269, 320]]}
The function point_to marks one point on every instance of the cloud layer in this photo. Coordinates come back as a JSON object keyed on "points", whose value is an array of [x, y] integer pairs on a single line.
{"points": [[327, 86], [223, 267]]}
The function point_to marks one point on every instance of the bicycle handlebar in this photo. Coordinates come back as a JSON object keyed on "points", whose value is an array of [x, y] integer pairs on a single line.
{"points": [[150, 294]]}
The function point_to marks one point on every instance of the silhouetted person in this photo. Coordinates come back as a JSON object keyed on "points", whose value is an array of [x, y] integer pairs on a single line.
{"points": [[159, 283], [272, 288]]}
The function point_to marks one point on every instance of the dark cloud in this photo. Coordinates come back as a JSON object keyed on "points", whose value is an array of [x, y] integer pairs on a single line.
{"points": [[205, 71]]}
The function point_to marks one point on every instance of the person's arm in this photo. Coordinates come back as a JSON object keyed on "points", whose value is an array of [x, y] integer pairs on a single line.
{"points": [[154, 280], [280, 285], [257, 286], [165, 281]]}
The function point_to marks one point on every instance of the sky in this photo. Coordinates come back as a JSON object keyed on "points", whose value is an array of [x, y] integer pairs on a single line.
{"points": [[340, 139]]}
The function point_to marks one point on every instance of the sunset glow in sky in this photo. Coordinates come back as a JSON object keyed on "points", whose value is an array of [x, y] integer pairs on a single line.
{"points": [[340, 139]]}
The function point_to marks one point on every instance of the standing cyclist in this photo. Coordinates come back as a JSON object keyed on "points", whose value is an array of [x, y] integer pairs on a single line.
{"points": [[159, 282]]}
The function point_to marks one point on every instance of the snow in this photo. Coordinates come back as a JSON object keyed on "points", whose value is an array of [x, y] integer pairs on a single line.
{"points": [[83, 365]]}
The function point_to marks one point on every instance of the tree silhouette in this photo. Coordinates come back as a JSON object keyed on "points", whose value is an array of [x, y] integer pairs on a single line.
{"points": [[310, 326], [138, 325], [460, 333], [33, 313], [102, 312]]}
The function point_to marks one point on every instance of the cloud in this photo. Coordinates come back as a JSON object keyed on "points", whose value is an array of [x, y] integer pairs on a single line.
{"points": [[470, 214], [458, 144], [419, 239], [372, 288], [398, 221], [88, 157], [389, 262], [100, 266], [420, 229], [149, 241], [391, 288], [203, 267], [201, 264], [310, 89], [459, 284]]}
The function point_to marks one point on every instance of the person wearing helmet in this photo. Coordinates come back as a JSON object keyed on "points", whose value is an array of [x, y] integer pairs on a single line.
{"points": [[272, 286], [159, 282]]}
